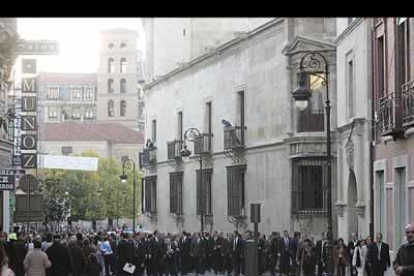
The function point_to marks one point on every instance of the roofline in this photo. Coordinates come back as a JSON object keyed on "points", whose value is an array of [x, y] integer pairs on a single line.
{"points": [[350, 28], [216, 50]]}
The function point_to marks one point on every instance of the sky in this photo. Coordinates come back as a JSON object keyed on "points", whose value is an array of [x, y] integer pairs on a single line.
{"points": [[78, 41]]}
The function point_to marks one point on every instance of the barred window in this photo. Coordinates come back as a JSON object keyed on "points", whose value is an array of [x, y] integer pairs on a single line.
{"points": [[176, 192], [308, 191], [204, 192], [151, 194], [236, 190]]}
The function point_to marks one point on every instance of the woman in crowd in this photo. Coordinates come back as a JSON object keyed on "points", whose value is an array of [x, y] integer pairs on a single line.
{"points": [[360, 257]]}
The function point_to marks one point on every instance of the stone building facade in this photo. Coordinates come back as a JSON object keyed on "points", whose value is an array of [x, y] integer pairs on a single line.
{"points": [[118, 77], [246, 81], [393, 94], [66, 97], [8, 54], [354, 132]]}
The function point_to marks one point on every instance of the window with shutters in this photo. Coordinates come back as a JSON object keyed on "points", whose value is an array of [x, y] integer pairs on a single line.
{"points": [[151, 194], [111, 87], [204, 192], [308, 192], [176, 193], [236, 190]]}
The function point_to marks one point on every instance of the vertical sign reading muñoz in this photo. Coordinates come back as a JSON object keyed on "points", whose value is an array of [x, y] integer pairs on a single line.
{"points": [[28, 124]]}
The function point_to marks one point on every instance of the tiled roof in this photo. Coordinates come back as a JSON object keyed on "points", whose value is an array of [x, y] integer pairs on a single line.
{"points": [[67, 78], [88, 131]]}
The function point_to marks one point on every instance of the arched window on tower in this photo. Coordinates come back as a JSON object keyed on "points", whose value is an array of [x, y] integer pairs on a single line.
{"points": [[123, 108], [123, 86], [111, 65], [123, 65], [111, 109], [111, 86]]}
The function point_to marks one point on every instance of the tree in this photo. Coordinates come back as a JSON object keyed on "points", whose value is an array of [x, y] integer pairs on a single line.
{"points": [[92, 195]]}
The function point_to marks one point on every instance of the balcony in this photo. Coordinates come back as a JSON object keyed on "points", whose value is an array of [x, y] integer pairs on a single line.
{"points": [[408, 104], [149, 156], [174, 147], [390, 116], [310, 121], [233, 138], [202, 144]]}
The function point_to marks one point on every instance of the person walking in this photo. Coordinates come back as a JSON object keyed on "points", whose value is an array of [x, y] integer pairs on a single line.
{"points": [[359, 257], [379, 256], [404, 261], [307, 258], [237, 254], [351, 249], [286, 254], [340, 257], [321, 254], [59, 257], [108, 256], [36, 262], [76, 256]]}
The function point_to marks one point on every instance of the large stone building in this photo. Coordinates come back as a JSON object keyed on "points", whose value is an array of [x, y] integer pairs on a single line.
{"points": [[272, 154], [187, 39], [354, 133], [118, 77], [393, 94], [66, 97], [107, 139], [8, 55]]}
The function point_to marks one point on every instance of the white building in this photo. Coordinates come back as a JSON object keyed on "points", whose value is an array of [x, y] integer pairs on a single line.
{"points": [[268, 155], [354, 86]]}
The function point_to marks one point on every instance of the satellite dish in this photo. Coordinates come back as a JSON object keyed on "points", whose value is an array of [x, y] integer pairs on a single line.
{"points": [[26, 180]]}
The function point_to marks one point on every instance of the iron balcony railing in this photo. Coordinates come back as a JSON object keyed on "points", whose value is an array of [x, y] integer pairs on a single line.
{"points": [[309, 121], [233, 137], [149, 156], [389, 115], [174, 147], [408, 103], [202, 144]]}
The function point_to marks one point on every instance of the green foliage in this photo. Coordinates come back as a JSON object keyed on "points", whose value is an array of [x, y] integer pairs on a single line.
{"points": [[91, 195]]}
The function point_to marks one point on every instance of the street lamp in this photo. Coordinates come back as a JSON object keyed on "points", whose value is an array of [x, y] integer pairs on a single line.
{"points": [[316, 64], [123, 179], [191, 134]]}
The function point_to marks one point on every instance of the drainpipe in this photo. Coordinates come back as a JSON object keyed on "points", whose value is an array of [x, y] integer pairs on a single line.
{"points": [[373, 135]]}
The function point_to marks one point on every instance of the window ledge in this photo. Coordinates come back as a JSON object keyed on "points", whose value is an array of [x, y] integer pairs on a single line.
{"points": [[409, 132]]}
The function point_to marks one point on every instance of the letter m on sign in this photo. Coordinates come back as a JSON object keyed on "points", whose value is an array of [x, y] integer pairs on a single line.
{"points": [[29, 161], [28, 84]]}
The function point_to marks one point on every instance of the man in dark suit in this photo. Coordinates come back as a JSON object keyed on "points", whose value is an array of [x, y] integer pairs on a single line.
{"points": [[286, 253], [237, 254], [274, 251], [217, 259], [126, 252], [184, 246], [379, 256], [321, 254], [59, 257], [351, 247]]}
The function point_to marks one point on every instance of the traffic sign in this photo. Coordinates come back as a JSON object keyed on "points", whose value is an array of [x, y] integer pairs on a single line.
{"points": [[26, 180]]}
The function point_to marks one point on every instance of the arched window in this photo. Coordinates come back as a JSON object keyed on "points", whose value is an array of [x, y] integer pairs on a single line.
{"points": [[123, 86], [111, 65], [111, 45], [123, 65], [123, 45], [111, 109], [111, 86], [123, 108]]}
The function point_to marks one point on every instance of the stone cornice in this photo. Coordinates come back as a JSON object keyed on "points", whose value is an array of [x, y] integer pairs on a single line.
{"points": [[215, 52], [358, 121], [351, 27]]}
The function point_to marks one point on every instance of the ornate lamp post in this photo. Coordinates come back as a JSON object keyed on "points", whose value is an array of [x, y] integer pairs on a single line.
{"points": [[124, 178], [316, 64], [191, 134]]}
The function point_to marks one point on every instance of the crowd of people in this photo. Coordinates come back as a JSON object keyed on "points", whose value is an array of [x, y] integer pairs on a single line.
{"points": [[156, 254]]}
